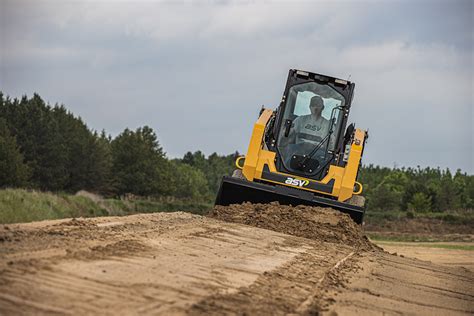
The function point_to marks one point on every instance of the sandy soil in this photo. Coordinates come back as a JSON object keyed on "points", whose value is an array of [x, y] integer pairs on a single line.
{"points": [[393, 285], [177, 263], [434, 252]]}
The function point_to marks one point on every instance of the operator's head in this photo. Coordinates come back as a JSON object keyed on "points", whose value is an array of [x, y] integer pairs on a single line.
{"points": [[316, 105]]}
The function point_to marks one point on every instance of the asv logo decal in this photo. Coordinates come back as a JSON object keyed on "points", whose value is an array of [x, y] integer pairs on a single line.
{"points": [[296, 182]]}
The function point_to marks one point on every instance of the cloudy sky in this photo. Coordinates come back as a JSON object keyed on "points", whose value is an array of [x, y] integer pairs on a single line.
{"points": [[198, 72]]}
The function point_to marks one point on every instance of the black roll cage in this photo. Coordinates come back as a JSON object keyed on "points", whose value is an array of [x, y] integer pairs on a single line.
{"points": [[296, 77]]}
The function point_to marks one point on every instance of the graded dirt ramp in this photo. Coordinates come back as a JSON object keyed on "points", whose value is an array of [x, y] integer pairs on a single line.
{"points": [[165, 263], [183, 264], [317, 223]]}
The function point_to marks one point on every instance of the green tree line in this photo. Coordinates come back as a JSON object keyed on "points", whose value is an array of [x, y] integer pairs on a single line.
{"points": [[48, 148], [416, 189]]}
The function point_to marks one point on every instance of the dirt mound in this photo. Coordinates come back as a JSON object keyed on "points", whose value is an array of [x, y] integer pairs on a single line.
{"points": [[74, 222], [322, 224]]}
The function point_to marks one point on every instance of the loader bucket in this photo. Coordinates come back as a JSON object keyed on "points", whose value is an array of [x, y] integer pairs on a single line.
{"points": [[237, 191]]}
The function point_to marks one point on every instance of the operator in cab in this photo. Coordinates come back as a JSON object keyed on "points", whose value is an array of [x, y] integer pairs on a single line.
{"points": [[311, 128]]}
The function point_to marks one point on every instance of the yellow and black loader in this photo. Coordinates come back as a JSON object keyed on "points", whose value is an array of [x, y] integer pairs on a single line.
{"points": [[303, 152]]}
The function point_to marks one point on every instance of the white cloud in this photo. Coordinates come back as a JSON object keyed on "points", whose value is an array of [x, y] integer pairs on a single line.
{"points": [[210, 66]]}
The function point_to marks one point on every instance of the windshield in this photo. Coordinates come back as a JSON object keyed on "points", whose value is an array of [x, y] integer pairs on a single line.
{"points": [[311, 120]]}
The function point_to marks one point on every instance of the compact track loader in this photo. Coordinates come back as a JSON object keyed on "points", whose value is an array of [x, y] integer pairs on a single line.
{"points": [[302, 153]]}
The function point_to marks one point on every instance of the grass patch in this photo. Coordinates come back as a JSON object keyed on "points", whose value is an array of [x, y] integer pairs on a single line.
{"points": [[27, 206], [459, 217], [19, 206]]}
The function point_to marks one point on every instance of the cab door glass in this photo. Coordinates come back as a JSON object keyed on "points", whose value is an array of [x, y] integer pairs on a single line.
{"points": [[315, 113], [303, 99]]}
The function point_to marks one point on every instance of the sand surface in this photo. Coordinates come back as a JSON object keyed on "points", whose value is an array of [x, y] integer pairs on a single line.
{"points": [[253, 263]]}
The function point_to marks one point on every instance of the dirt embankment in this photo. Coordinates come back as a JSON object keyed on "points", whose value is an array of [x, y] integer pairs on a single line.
{"points": [[284, 260], [317, 223]]}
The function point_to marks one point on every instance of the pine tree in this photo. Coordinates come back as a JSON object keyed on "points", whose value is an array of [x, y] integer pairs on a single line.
{"points": [[139, 163], [13, 171]]}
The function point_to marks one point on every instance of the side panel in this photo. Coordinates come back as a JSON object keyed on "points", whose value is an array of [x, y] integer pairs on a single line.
{"points": [[352, 166], [260, 164], [255, 145]]}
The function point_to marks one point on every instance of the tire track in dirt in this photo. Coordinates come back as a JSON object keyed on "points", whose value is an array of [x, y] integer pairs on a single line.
{"points": [[305, 261], [158, 263], [395, 285], [279, 292]]}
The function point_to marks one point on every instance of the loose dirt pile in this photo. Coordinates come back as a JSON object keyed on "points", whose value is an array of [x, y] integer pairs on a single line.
{"points": [[317, 223]]}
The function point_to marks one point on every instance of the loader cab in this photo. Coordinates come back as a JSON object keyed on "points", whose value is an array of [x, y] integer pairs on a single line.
{"points": [[310, 122]]}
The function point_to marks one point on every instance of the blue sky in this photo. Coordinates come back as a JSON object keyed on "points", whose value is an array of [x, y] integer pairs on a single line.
{"points": [[198, 72]]}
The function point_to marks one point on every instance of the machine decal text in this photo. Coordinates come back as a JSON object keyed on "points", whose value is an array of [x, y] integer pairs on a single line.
{"points": [[297, 182]]}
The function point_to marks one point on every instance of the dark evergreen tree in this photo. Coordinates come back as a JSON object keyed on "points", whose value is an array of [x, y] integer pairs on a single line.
{"points": [[13, 171], [139, 164], [62, 153]]}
